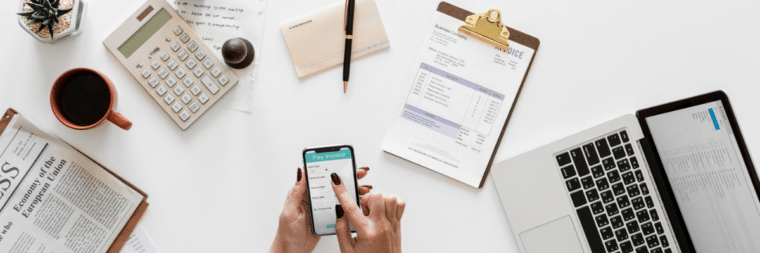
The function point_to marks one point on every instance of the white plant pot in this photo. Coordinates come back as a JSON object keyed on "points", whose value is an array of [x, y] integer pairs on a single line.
{"points": [[74, 28]]}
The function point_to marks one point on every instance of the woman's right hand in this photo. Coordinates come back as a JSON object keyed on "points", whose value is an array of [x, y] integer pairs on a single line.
{"points": [[378, 231]]}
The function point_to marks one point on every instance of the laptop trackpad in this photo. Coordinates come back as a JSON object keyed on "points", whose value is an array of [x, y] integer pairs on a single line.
{"points": [[556, 236]]}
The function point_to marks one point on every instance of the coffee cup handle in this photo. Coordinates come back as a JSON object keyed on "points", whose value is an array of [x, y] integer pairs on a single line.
{"points": [[119, 120]]}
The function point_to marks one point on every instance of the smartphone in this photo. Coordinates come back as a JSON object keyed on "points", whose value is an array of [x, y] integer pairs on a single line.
{"points": [[320, 163]]}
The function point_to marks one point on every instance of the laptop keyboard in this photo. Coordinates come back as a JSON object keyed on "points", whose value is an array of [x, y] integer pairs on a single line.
{"points": [[611, 197]]}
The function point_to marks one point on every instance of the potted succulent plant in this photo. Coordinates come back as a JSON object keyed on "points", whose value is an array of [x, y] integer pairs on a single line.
{"points": [[51, 20]]}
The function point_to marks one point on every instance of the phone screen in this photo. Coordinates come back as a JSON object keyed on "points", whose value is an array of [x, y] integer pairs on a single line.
{"points": [[320, 163]]}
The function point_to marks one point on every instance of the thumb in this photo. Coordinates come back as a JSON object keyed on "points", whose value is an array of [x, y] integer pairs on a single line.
{"points": [[343, 231], [297, 193]]}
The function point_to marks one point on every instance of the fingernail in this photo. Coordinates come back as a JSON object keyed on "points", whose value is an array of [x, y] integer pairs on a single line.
{"points": [[298, 178], [368, 186], [338, 211], [335, 178], [365, 168]]}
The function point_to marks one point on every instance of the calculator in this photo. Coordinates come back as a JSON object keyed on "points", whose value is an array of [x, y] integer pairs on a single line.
{"points": [[170, 62]]}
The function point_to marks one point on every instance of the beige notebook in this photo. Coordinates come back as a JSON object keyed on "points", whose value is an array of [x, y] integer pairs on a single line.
{"points": [[316, 41]]}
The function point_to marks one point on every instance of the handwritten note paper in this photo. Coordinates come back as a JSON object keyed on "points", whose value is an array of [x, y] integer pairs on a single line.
{"points": [[139, 242], [216, 21]]}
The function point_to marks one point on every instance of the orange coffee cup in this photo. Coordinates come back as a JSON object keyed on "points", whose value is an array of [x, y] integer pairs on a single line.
{"points": [[83, 98]]}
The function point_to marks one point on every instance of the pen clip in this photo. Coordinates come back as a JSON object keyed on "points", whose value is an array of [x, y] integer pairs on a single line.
{"points": [[345, 15]]}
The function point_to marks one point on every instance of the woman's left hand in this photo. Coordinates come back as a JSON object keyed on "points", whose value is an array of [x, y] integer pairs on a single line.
{"points": [[294, 233]]}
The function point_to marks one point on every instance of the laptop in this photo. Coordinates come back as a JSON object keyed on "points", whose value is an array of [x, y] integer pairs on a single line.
{"points": [[673, 178]]}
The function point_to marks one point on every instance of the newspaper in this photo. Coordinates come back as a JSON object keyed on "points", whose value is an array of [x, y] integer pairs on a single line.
{"points": [[53, 198]]}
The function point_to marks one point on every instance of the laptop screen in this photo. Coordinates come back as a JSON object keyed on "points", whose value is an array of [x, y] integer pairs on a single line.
{"points": [[708, 177]]}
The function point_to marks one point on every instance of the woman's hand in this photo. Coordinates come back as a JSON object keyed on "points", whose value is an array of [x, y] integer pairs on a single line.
{"points": [[378, 231], [294, 233]]}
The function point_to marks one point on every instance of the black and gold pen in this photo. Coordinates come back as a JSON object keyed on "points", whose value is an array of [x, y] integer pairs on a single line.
{"points": [[349, 37]]}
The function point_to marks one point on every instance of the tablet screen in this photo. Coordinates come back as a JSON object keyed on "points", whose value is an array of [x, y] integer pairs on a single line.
{"points": [[709, 178]]}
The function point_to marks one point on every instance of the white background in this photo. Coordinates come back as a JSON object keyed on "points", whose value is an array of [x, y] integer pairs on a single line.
{"points": [[220, 185]]}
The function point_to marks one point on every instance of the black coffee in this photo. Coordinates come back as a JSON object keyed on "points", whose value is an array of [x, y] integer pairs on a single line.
{"points": [[84, 98]]}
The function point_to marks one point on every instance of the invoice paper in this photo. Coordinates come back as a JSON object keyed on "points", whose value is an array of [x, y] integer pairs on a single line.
{"points": [[216, 21], [139, 242], [461, 94]]}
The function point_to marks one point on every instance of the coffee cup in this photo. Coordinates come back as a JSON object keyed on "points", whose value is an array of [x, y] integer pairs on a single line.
{"points": [[83, 98]]}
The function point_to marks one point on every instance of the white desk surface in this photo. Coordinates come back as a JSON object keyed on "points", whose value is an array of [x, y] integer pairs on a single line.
{"points": [[220, 185]]}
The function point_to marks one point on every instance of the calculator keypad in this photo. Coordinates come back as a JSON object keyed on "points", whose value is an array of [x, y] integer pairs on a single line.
{"points": [[187, 99], [176, 107], [194, 107], [177, 30], [183, 55], [161, 90], [210, 85], [163, 73], [198, 72], [153, 82], [200, 55], [195, 90], [178, 90], [165, 56], [203, 98], [169, 99], [216, 71], [188, 81], [208, 63], [180, 73], [192, 46], [171, 81], [224, 80], [145, 73], [172, 64], [190, 63], [175, 46], [184, 115]]}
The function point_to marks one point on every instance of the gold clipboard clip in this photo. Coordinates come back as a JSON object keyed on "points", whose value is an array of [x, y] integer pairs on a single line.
{"points": [[488, 28]]}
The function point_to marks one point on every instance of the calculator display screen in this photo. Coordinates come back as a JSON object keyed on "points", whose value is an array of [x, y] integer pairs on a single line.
{"points": [[144, 33]]}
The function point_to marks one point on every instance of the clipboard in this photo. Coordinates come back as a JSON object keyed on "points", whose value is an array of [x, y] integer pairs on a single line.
{"points": [[494, 36], [121, 239], [514, 35]]}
